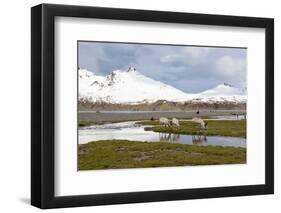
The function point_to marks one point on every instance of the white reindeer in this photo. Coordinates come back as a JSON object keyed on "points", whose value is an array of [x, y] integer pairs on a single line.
{"points": [[164, 121], [175, 122], [202, 123]]}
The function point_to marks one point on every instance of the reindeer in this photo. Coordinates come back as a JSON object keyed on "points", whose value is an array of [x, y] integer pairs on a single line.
{"points": [[164, 121], [202, 123], [175, 122]]}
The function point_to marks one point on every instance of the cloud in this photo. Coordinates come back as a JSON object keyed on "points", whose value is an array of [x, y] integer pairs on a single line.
{"points": [[190, 56], [229, 66], [188, 68], [232, 68], [196, 55], [174, 60]]}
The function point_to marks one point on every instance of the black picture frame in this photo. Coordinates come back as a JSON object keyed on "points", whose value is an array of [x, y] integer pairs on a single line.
{"points": [[43, 102]]}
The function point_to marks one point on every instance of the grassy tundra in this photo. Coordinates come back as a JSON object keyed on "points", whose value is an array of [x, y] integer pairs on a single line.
{"points": [[233, 128], [114, 154]]}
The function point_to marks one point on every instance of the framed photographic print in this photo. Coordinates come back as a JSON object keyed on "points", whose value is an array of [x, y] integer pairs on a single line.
{"points": [[139, 106]]}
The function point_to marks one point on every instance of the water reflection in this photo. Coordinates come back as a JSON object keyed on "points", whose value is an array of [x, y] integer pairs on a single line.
{"points": [[199, 139], [171, 137], [134, 132]]}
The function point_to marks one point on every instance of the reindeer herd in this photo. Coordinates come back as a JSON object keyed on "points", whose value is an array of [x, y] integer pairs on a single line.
{"points": [[174, 122], [167, 123]]}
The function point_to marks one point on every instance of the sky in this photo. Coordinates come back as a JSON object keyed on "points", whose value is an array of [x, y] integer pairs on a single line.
{"points": [[188, 68]]}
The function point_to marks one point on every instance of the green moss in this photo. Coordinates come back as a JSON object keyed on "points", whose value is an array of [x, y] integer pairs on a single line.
{"points": [[234, 128], [113, 154]]}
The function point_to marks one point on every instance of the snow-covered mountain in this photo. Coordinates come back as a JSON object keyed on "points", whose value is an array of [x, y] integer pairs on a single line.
{"points": [[132, 87], [223, 92]]}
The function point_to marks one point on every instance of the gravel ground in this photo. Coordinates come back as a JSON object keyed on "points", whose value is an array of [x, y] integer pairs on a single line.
{"points": [[114, 116]]}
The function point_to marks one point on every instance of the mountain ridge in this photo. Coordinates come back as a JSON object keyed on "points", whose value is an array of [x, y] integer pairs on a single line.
{"points": [[132, 87]]}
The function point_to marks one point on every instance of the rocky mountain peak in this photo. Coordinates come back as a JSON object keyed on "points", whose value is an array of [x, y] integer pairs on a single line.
{"points": [[227, 85], [132, 69]]}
